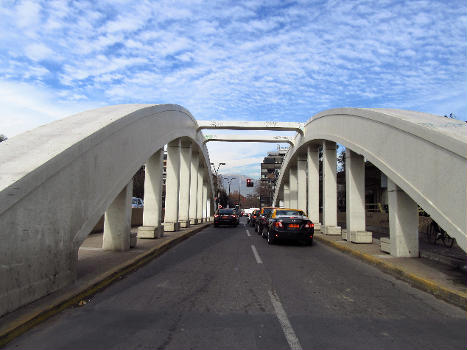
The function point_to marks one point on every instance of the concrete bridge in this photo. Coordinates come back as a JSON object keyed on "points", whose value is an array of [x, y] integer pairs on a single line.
{"points": [[57, 180]]}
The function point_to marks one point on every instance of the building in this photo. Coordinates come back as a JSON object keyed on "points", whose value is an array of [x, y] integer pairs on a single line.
{"points": [[270, 168]]}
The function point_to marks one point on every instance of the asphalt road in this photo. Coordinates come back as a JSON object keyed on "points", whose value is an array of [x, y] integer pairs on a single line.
{"points": [[227, 289]]}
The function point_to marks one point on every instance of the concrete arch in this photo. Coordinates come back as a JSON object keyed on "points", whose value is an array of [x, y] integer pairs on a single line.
{"points": [[425, 155], [57, 180]]}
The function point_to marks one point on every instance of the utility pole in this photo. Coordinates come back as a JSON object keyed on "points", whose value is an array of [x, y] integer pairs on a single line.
{"points": [[229, 180], [216, 171]]}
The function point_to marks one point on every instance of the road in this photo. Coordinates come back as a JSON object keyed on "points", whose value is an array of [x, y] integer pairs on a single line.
{"points": [[225, 288]]}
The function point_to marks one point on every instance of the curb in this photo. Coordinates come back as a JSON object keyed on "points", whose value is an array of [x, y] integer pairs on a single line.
{"points": [[451, 296], [18, 327]]}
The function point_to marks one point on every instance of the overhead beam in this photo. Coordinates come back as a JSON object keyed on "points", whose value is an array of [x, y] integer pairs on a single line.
{"points": [[250, 138], [251, 125]]}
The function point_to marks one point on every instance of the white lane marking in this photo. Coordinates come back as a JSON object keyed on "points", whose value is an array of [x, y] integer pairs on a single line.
{"points": [[255, 253], [248, 233], [289, 333]]}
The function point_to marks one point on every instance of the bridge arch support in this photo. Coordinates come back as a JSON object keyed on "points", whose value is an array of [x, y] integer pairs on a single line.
{"points": [[57, 181], [424, 157]]}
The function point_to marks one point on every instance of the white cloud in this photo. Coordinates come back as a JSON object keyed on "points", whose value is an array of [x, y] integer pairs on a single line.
{"points": [[25, 107], [38, 51]]}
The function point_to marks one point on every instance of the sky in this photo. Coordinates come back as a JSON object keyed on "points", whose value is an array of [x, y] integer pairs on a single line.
{"points": [[236, 60]]}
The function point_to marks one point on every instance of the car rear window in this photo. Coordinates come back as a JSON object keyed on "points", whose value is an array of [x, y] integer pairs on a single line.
{"points": [[266, 211], [289, 213], [226, 211]]}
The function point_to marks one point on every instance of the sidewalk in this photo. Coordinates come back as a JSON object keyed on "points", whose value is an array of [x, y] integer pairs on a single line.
{"points": [[96, 269], [439, 278]]}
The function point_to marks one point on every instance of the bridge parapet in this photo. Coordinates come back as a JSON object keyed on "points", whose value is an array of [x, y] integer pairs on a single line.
{"points": [[58, 180], [423, 155]]}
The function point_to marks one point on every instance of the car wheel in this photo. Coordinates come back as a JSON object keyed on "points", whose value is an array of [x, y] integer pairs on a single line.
{"points": [[270, 239], [216, 225]]}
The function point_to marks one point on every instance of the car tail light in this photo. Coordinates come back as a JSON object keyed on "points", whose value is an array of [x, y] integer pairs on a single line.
{"points": [[278, 224], [234, 216], [309, 225], [216, 216]]}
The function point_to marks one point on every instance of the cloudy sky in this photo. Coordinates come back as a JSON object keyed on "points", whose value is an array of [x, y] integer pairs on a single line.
{"points": [[237, 60]]}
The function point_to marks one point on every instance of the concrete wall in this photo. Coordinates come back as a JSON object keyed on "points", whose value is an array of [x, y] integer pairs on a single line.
{"points": [[423, 154], [57, 181]]}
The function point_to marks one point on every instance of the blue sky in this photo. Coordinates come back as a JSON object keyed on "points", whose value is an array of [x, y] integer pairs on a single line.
{"points": [[237, 60]]}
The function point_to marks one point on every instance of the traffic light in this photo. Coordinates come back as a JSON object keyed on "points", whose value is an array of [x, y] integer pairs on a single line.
{"points": [[249, 183]]}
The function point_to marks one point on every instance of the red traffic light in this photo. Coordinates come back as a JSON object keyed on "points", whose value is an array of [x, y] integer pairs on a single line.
{"points": [[249, 183]]}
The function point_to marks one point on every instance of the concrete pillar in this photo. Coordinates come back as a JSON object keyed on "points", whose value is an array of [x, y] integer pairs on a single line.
{"points": [[330, 189], [172, 187], [194, 188], [403, 222], [152, 227], [205, 201], [355, 199], [185, 178], [286, 195], [208, 209], [301, 182], [313, 184], [199, 196], [293, 188], [117, 222]]}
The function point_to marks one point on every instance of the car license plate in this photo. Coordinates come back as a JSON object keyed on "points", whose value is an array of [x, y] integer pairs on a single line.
{"points": [[225, 217], [294, 226]]}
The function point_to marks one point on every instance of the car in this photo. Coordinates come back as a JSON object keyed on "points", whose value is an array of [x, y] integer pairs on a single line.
{"points": [[253, 216], [261, 221], [137, 202], [290, 224], [227, 216]]}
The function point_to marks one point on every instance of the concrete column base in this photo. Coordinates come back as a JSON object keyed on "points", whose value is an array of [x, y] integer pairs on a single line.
{"points": [[385, 245], [361, 237], [193, 221], [317, 226], [171, 226], [332, 230], [344, 235], [184, 223], [150, 232], [133, 239]]}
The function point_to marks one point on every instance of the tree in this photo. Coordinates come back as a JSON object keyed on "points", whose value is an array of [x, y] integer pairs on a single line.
{"points": [[3, 138], [341, 160]]}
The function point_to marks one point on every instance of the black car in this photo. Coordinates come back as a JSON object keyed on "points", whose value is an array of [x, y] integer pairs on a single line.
{"points": [[290, 224], [225, 217]]}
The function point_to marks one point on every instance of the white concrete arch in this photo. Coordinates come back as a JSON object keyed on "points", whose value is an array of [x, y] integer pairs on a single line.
{"points": [[56, 182], [423, 154]]}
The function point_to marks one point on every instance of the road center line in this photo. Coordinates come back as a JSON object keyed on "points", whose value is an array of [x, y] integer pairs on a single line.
{"points": [[289, 333], [248, 233], [255, 253]]}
